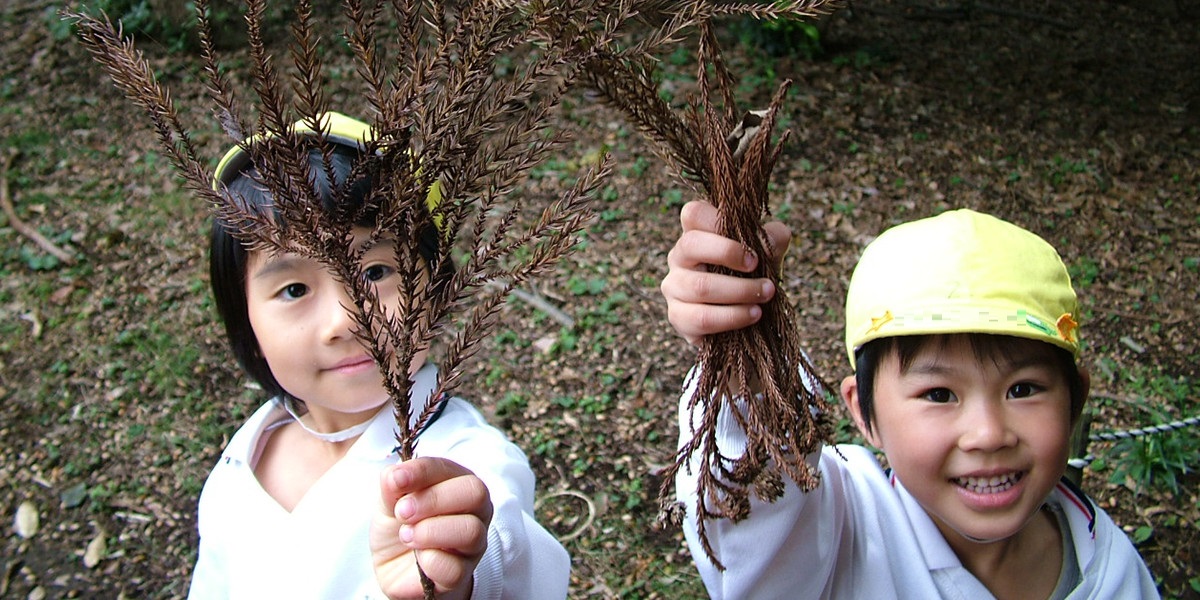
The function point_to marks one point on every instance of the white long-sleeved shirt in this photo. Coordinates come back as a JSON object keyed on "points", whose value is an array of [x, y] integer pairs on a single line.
{"points": [[860, 534], [250, 547]]}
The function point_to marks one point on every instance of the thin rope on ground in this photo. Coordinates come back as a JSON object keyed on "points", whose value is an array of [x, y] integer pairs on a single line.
{"points": [[583, 525], [1112, 436]]}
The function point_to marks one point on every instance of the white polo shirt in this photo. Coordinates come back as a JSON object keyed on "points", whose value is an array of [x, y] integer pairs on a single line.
{"points": [[860, 534], [252, 548]]}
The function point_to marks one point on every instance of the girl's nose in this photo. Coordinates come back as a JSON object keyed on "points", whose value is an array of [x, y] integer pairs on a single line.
{"points": [[339, 314]]}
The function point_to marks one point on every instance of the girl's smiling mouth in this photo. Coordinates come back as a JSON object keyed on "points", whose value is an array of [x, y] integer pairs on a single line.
{"points": [[352, 365]]}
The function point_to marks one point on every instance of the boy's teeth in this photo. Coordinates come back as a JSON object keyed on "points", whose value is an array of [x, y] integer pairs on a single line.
{"points": [[985, 485]]}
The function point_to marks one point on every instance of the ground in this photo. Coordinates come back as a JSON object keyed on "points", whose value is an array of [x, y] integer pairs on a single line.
{"points": [[1080, 124]]}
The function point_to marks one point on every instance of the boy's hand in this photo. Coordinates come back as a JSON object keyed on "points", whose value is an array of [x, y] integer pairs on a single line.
{"points": [[700, 303], [434, 511]]}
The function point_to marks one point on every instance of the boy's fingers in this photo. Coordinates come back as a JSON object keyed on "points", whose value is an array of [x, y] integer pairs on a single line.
{"points": [[694, 322], [779, 236], [699, 215], [701, 245], [696, 249], [694, 287]]}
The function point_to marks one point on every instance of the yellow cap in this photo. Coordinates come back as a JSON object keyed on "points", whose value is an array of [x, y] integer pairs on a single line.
{"points": [[960, 272], [341, 129]]}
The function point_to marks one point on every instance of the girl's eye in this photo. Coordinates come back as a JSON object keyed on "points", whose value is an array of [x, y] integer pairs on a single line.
{"points": [[294, 291], [377, 272], [1023, 390], [939, 395]]}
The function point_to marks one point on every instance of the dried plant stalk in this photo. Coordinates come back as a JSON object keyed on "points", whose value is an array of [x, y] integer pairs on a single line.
{"points": [[784, 406]]}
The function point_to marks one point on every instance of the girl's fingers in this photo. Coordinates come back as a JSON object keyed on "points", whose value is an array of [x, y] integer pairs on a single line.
{"points": [[463, 495], [447, 570], [460, 534]]}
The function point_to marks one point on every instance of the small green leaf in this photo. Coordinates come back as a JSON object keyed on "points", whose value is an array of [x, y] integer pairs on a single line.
{"points": [[1143, 533]]}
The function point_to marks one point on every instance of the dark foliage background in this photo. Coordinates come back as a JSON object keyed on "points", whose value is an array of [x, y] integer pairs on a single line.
{"points": [[1076, 120]]}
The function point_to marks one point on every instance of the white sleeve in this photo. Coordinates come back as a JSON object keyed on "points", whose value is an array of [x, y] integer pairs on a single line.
{"points": [[523, 561], [209, 577], [788, 548]]}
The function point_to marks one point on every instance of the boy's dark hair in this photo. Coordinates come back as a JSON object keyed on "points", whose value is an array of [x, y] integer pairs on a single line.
{"points": [[985, 346], [228, 255]]}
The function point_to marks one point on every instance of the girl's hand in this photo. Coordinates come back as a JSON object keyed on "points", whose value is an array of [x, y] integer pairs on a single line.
{"points": [[436, 512], [700, 303]]}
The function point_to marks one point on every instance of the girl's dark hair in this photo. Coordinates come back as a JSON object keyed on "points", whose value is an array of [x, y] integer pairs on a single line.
{"points": [[997, 347], [228, 255]]}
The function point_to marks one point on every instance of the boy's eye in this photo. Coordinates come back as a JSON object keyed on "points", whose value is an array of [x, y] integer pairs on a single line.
{"points": [[939, 395], [295, 290], [1022, 390], [377, 272]]}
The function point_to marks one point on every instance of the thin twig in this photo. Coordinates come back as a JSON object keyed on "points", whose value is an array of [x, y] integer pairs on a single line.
{"points": [[20, 226], [536, 301]]}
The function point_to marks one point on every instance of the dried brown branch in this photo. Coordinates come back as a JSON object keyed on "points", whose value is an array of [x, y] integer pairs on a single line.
{"points": [[22, 227]]}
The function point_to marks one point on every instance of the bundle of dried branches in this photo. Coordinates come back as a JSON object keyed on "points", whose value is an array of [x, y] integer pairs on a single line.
{"points": [[783, 404]]}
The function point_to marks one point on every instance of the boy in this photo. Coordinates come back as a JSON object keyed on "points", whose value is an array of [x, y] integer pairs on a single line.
{"points": [[962, 330]]}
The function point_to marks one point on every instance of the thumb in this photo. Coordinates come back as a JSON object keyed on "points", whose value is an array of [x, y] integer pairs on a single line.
{"points": [[393, 483]]}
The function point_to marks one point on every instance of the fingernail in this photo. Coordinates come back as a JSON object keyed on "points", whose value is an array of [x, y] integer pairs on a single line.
{"points": [[401, 478], [768, 288], [755, 313], [406, 534], [748, 260], [405, 508]]}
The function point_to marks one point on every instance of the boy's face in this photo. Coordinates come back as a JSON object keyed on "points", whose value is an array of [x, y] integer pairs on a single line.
{"points": [[980, 443], [298, 313]]}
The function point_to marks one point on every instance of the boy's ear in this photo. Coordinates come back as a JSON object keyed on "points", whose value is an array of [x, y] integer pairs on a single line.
{"points": [[849, 392], [1085, 381]]}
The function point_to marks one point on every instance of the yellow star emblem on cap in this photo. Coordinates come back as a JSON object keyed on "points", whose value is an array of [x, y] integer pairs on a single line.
{"points": [[880, 321], [1066, 327]]}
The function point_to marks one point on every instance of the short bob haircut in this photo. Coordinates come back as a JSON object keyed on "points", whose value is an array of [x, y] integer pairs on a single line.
{"points": [[999, 348], [228, 256]]}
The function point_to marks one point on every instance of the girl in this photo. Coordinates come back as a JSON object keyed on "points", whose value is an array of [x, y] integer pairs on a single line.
{"points": [[307, 500]]}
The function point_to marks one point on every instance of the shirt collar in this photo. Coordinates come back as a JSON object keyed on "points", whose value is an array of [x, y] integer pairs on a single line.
{"points": [[379, 440], [938, 554], [934, 547]]}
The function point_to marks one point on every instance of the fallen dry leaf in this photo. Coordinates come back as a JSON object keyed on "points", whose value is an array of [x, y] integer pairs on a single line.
{"points": [[26, 520]]}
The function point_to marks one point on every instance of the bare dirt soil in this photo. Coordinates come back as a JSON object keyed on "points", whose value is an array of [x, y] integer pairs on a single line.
{"points": [[1078, 120]]}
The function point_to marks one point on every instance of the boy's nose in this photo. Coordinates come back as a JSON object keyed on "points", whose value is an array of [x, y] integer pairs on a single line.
{"points": [[985, 427]]}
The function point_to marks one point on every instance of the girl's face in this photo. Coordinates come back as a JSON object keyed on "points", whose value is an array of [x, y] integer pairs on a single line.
{"points": [[299, 315], [979, 442]]}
